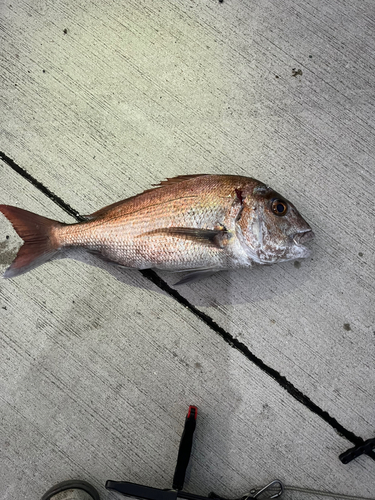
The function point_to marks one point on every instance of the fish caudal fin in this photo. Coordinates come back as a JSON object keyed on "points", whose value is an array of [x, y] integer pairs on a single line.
{"points": [[39, 242]]}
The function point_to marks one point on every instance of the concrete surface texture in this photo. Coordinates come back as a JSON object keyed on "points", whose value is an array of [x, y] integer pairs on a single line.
{"points": [[100, 100]]}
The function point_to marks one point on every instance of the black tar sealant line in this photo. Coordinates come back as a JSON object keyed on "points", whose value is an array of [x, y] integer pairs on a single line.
{"points": [[226, 336], [56, 199]]}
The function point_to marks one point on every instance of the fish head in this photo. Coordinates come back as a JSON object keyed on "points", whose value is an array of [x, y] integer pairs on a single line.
{"points": [[271, 227]]}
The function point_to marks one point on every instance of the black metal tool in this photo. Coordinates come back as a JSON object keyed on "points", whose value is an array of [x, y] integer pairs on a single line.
{"points": [[148, 493], [367, 448]]}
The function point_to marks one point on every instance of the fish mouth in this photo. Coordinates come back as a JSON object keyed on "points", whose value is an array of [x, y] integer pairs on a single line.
{"points": [[302, 237]]}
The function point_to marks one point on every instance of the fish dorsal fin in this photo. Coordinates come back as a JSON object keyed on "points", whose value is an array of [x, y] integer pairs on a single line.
{"points": [[103, 211], [163, 184], [176, 180], [170, 182]]}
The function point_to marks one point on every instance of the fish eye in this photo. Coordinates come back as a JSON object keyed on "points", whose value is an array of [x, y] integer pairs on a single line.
{"points": [[279, 207]]}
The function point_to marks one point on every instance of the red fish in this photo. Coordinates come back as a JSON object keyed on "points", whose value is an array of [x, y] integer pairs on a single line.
{"points": [[196, 223]]}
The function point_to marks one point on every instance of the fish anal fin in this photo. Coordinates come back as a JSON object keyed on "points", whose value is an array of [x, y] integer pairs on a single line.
{"points": [[196, 275], [98, 254]]}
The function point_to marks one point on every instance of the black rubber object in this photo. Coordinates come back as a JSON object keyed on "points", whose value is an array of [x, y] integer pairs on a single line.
{"points": [[71, 485], [367, 448]]}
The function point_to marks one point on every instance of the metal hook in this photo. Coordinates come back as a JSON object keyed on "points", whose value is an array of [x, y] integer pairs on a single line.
{"points": [[272, 484]]}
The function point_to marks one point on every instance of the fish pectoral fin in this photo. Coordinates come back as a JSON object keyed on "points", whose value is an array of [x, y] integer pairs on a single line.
{"points": [[216, 237], [196, 275]]}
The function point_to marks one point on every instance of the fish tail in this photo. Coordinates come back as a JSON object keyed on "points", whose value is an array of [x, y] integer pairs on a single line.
{"points": [[40, 242]]}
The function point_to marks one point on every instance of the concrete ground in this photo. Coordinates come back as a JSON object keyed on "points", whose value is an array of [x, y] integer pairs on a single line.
{"points": [[100, 100]]}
